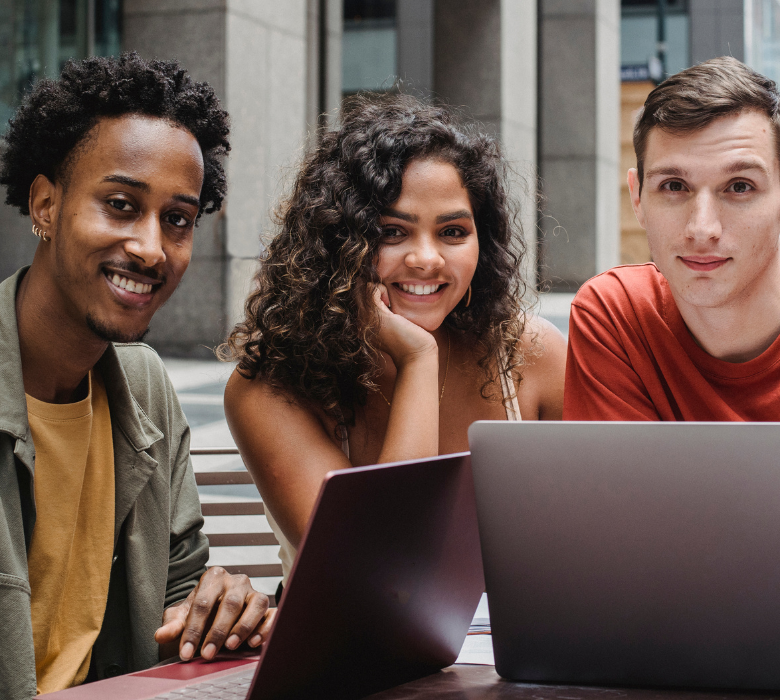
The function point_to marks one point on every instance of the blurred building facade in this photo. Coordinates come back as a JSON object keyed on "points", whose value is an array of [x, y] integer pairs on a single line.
{"points": [[543, 75]]}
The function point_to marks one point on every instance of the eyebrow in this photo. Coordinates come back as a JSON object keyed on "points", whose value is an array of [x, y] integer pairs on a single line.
{"points": [[741, 165], [129, 181], [145, 188], [411, 218], [441, 219], [453, 216]]}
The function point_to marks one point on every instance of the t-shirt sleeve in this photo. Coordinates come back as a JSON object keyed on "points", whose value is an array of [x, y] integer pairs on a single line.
{"points": [[601, 383]]}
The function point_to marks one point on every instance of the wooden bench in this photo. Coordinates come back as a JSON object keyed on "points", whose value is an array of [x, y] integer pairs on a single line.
{"points": [[235, 539]]}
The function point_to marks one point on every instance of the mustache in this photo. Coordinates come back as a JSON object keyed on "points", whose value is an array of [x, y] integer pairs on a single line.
{"points": [[130, 266]]}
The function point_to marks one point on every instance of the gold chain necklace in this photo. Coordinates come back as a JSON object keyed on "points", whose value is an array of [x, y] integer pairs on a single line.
{"points": [[443, 384]]}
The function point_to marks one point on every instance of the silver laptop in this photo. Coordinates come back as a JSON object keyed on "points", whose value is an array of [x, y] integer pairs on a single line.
{"points": [[632, 553]]}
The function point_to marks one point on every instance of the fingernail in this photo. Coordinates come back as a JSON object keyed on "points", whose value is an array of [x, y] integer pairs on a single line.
{"points": [[255, 641], [187, 651], [233, 641], [208, 651]]}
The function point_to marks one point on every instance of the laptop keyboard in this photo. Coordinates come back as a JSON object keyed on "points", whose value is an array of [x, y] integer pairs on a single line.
{"points": [[236, 685]]}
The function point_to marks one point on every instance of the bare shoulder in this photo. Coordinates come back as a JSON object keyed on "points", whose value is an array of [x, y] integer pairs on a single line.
{"points": [[544, 366], [251, 400], [542, 343]]}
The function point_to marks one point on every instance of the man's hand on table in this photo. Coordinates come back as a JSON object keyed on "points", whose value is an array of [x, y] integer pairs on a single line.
{"points": [[225, 607]]}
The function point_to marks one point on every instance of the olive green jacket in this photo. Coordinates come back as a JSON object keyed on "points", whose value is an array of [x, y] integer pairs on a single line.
{"points": [[159, 550]]}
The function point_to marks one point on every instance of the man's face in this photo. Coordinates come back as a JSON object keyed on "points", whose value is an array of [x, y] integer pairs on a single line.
{"points": [[710, 204], [122, 227]]}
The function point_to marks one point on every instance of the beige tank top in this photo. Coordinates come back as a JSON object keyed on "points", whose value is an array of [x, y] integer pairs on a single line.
{"points": [[287, 551]]}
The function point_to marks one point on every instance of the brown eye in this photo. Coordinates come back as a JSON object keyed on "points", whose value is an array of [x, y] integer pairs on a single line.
{"points": [[740, 187], [675, 186]]}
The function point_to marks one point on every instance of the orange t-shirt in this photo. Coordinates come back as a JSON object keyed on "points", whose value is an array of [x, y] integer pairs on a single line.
{"points": [[631, 357]]}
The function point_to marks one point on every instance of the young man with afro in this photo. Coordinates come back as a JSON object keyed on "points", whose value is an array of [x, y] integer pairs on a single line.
{"points": [[101, 549]]}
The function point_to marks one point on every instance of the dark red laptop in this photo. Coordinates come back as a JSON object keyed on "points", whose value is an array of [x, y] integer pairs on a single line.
{"points": [[384, 587]]}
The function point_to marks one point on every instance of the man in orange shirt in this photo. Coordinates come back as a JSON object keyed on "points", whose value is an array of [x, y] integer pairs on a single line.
{"points": [[694, 335]]}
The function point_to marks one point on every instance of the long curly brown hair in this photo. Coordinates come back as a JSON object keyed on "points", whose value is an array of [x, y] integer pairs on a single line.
{"points": [[306, 331]]}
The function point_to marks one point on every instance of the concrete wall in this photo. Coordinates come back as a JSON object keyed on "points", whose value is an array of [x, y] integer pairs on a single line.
{"points": [[485, 63], [415, 26], [579, 94], [717, 29], [254, 53]]}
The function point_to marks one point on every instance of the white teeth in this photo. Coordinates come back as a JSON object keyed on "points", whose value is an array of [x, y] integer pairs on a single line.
{"points": [[130, 285], [421, 289]]}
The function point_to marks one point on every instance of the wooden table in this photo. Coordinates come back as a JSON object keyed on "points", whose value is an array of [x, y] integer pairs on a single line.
{"points": [[464, 682]]}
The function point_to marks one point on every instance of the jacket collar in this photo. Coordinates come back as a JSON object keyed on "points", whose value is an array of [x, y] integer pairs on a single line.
{"points": [[13, 407], [137, 428]]}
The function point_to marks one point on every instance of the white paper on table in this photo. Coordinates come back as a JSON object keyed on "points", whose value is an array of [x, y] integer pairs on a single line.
{"points": [[477, 649]]}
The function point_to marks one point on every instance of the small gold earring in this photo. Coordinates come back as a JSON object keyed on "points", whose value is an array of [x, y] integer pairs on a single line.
{"points": [[40, 234], [468, 301]]}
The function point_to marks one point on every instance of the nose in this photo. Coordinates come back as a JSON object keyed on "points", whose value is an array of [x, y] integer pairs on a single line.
{"points": [[424, 255], [145, 245], [704, 218]]}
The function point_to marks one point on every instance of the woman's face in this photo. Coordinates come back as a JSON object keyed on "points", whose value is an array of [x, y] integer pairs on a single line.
{"points": [[429, 249]]}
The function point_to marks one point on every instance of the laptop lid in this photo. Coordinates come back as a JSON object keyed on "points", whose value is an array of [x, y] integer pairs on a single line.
{"points": [[632, 553], [384, 586]]}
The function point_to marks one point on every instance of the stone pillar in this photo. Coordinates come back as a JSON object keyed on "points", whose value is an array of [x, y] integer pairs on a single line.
{"points": [[485, 63], [415, 21], [579, 148], [255, 56], [717, 29]]}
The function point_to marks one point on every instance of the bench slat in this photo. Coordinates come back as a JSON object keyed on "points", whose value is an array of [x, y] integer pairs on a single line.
{"points": [[223, 478], [242, 539], [242, 508]]}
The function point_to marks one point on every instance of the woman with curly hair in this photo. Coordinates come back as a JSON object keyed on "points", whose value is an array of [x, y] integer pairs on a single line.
{"points": [[388, 312]]}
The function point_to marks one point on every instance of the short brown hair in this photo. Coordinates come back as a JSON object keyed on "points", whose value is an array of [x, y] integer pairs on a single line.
{"points": [[695, 97]]}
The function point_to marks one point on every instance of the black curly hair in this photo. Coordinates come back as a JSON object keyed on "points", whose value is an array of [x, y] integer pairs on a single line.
{"points": [[304, 331], [57, 115]]}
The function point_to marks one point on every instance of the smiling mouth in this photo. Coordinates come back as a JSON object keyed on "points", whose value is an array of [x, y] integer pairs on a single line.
{"points": [[128, 288], [420, 289]]}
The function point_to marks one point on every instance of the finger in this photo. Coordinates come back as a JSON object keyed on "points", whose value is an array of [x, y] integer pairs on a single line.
{"points": [[384, 295], [173, 621], [235, 597], [205, 599], [169, 631], [250, 620], [263, 629]]}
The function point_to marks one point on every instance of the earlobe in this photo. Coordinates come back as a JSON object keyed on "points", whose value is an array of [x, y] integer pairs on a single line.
{"points": [[636, 202], [43, 203]]}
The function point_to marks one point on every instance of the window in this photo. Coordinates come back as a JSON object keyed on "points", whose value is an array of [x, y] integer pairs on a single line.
{"points": [[639, 34], [37, 37], [369, 45], [762, 37]]}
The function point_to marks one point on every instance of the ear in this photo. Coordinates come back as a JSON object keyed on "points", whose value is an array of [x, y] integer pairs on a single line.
{"points": [[636, 202], [44, 204]]}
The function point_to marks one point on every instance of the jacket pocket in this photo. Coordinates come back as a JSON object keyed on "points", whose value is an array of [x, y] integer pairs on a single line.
{"points": [[15, 582]]}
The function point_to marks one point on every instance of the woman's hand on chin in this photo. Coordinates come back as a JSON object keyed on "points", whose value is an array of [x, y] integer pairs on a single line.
{"points": [[403, 340]]}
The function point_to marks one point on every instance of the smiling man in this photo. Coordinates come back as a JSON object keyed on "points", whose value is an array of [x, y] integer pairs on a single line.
{"points": [[694, 335], [102, 559]]}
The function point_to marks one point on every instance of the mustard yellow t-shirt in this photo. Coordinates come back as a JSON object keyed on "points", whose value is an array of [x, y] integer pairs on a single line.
{"points": [[73, 540]]}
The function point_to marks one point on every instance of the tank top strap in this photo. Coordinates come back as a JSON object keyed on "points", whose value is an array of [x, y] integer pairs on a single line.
{"points": [[511, 403]]}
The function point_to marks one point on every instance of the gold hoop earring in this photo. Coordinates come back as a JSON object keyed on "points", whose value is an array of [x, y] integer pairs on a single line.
{"points": [[40, 234], [468, 300]]}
